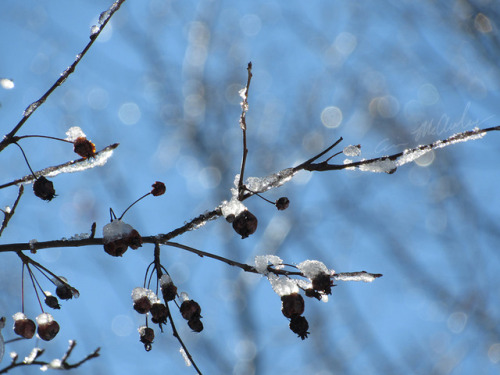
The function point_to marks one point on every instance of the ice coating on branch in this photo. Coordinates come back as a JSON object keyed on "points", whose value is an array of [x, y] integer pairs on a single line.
{"points": [[283, 286], [31, 108], [262, 261], [35, 352], [6, 83], [73, 133], [100, 159], [55, 364], [184, 296], [60, 281], [187, 361], [115, 230], [2, 343], [262, 184], [94, 30], [379, 166], [352, 150], [7, 209], [81, 236], [313, 268], [358, 276], [388, 166], [104, 17], [233, 206]]}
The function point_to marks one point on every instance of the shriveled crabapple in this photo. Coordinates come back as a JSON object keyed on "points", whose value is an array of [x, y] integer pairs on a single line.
{"points": [[292, 304], [196, 325], [322, 283], [23, 326], [168, 289], [190, 309], [52, 301], [158, 188], [118, 236], [84, 148], [299, 325], [143, 299], [245, 224], [159, 313], [147, 336], [44, 189], [282, 203], [48, 328]]}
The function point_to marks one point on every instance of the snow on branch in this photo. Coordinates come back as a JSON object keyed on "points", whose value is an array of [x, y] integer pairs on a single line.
{"points": [[389, 164], [79, 165]]}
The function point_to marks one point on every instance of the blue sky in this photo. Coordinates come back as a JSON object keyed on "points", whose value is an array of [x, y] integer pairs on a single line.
{"points": [[163, 82]]}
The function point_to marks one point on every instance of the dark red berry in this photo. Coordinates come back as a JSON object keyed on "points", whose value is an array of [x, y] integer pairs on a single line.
{"points": [[292, 304], [195, 324], [282, 203], [134, 240], [44, 189], [84, 148], [48, 328], [158, 188], [169, 291], [322, 283], [245, 224], [159, 313], [142, 305], [23, 326], [63, 291], [299, 325], [52, 302], [147, 336], [190, 309], [116, 248]]}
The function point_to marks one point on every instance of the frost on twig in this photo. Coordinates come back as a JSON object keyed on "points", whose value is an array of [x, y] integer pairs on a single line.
{"points": [[389, 164], [357, 276], [79, 165], [58, 364]]}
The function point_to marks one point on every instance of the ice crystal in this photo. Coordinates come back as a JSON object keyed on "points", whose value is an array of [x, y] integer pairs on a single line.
{"points": [[73, 133], [352, 151], [262, 184], [94, 30], [185, 356], [165, 280], [33, 106], [313, 268], [283, 286], [44, 318], [383, 165], [100, 159], [35, 352], [357, 276], [262, 261]]}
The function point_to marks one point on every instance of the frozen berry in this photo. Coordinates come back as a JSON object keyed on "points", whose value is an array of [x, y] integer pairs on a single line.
{"points": [[63, 291], [282, 203], [299, 325], [245, 224], [190, 309], [44, 189], [84, 148], [23, 326], [292, 304], [195, 324], [134, 240], [147, 336], [47, 326], [158, 188], [159, 313], [168, 289], [52, 302], [322, 283]]}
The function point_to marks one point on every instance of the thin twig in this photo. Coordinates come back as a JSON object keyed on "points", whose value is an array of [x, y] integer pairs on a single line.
{"points": [[243, 125], [8, 139], [28, 178], [8, 215]]}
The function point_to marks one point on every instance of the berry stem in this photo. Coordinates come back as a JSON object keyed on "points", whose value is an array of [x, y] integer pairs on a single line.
{"points": [[43, 136], [128, 208], [32, 277], [26, 159]]}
